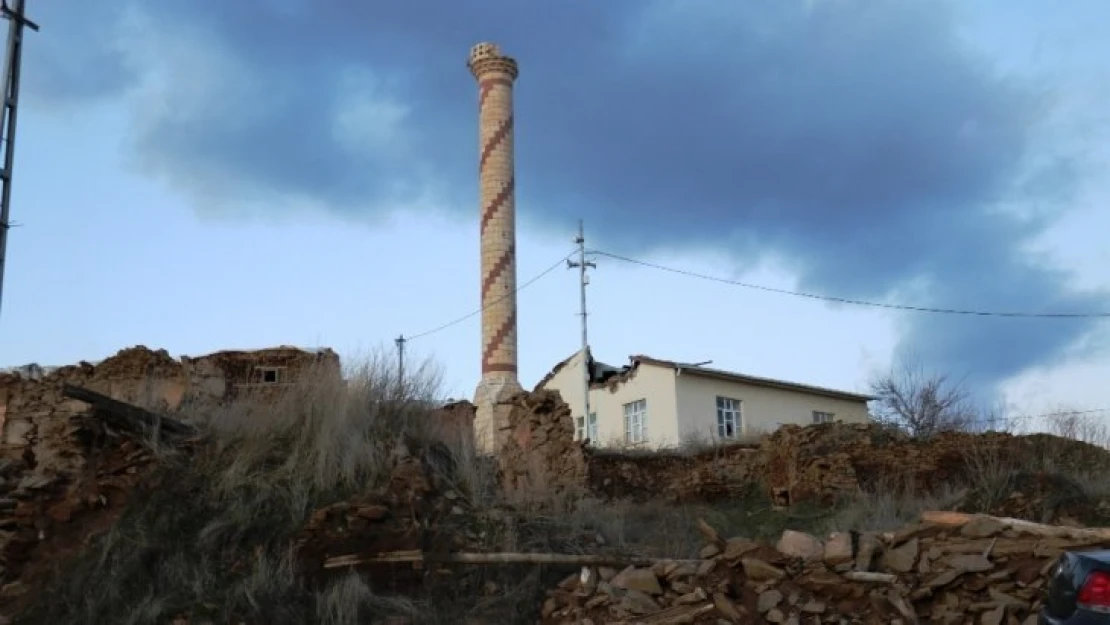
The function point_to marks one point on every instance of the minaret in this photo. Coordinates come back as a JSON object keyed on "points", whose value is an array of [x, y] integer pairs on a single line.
{"points": [[495, 74]]}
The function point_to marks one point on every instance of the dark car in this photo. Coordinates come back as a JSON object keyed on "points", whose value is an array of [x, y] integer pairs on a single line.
{"points": [[1078, 590]]}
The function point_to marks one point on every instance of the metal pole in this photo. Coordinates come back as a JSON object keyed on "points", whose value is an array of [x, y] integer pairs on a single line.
{"points": [[400, 340], [11, 100], [583, 279]]}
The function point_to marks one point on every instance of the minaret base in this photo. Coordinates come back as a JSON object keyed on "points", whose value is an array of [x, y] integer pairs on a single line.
{"points": [[491, 417]]}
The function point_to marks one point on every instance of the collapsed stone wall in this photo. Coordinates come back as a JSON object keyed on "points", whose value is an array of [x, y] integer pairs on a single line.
{"points": [[230, 375], [36, 421], [457, 419], [58, 462], [539, 450], [818, 462]]}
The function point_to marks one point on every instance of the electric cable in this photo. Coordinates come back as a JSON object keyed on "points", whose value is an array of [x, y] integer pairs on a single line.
{"points": [[520, 288], [854, 302]]}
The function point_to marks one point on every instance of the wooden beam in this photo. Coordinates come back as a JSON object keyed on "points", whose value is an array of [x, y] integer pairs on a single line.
{"points": [[125, 415], [958, 519], [417, 556]]}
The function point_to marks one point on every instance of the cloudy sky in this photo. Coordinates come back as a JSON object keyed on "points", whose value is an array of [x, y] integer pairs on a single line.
{"points": [[205, 174]]}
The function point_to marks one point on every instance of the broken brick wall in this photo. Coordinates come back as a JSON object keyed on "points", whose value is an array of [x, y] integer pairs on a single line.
{"points": [[235, 374], [34, 415], [823, 462], [457, 420], [539, 454], [57, 462]]}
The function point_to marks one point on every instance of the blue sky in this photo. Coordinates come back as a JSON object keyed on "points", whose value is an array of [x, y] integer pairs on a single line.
{"points": [[199, 175]]}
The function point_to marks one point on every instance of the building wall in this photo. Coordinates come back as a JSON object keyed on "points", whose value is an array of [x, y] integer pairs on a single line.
{"points": [[763, 409], [567, 380], [657, 386], [651, 383]]}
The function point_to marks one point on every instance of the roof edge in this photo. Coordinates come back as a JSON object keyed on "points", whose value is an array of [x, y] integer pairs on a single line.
{"points": [[721, 374]]}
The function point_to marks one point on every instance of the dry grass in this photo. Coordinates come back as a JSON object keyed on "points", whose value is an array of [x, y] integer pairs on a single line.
{"points": [[887, 509], [208, 536], [1079, 426], [1047, 475]]}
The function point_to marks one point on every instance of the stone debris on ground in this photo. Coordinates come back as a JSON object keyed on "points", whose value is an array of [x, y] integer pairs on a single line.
{"points": [[950, 568], [65, 475]]}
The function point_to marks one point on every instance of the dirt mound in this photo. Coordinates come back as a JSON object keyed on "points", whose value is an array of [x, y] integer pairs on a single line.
{"points": [[945, 569]]}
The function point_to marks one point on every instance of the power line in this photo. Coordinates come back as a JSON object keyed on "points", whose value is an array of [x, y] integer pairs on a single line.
{"points": [[855, 302], [1058, 413], [520, 288]]}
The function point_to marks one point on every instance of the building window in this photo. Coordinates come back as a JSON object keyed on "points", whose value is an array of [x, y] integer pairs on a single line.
{"points": [[635, 421], [728, 417], [269, 375], [822, 417], [586, 428]]}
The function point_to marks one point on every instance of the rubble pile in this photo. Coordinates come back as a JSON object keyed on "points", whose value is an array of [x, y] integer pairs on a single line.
{"points": [[412, 513], [949, 568], [727, 472], [823, 461], [826, 463], [538, 447], [48, 511]]}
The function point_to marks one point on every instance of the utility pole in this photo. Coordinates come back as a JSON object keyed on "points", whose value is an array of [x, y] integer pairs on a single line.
{"points": [[583, 279], [14, 55], [400, 341]]}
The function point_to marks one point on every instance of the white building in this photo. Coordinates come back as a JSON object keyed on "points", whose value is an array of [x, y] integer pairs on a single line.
{"points": [[659, 403]]}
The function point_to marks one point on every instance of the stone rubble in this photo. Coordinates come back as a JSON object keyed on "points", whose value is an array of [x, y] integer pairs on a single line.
{"points": [[65, 474], [979, 571], [829, 462]]}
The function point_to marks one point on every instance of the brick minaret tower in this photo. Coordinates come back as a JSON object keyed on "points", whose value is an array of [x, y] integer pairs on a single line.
{"points": [[495, 74]]}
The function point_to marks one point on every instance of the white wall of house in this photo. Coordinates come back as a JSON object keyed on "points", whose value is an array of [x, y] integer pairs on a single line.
{"points": [[762, 408], [569, 381], [654, 385], [682, 407]]}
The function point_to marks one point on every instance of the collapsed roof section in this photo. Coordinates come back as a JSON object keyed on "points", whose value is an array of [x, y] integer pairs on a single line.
{"points": [[607, 376]]}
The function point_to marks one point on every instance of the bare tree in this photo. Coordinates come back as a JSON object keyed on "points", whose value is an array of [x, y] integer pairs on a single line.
{"points": [[921, 403]]}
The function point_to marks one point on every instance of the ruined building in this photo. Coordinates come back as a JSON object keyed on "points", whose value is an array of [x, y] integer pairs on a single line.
{"points": [[31, 403]]}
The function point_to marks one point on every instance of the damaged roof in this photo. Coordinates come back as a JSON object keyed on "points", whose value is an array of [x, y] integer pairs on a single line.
{"points": [[599, 371], [602, 374], [720, 374]]}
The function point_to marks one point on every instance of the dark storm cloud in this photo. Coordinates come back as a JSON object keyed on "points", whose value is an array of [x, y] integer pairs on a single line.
{"points": [[859, 138], [72, 59]]}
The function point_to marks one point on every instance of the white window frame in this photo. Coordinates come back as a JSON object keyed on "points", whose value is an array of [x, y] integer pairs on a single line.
{"points": [[730, 412], [635, 422], [820, 416], [586, 428]]}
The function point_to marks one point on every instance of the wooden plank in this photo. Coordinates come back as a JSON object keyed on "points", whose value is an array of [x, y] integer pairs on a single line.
{"points": [[959, 519], [126, 415], [494, 558]]}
